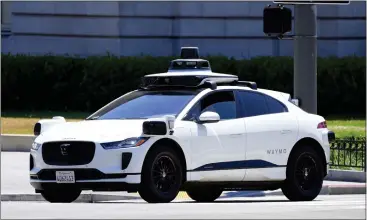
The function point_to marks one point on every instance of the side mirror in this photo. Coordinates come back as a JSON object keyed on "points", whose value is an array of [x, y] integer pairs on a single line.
{"points": [[209, 117]]}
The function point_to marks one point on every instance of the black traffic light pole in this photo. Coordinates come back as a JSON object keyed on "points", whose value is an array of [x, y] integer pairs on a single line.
{"points": [[305, 56], [278, 21]]}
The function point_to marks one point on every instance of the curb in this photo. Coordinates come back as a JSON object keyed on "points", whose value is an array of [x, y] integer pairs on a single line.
{"points": [[331, 190], [16, 143], [345, 190], [83, 198], [91, 198], [346, 175]]}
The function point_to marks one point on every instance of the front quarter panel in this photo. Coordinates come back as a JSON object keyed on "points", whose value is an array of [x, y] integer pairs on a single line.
{"points": [[181, 136]]}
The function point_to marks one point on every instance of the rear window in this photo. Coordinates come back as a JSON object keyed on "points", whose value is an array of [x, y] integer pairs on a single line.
{"points": [[253, 104], [275, 106]]}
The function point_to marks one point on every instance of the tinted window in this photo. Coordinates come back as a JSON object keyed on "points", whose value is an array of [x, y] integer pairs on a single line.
{"points": [[222, 103], [146, 104], [253, 104], [275, 106]]}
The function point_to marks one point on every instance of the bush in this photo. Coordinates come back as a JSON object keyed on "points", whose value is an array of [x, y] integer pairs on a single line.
{"points": [[56, 83]]}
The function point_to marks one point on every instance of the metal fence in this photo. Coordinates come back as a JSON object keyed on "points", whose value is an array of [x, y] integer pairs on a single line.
{"points": [[348, 153]]}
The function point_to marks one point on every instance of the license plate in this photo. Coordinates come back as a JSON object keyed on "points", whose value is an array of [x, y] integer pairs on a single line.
{"points": [[65, 177]]}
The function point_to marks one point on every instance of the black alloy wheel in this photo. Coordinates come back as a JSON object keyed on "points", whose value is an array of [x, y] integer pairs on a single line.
{"points": [[306, 172], [304, 175], [162, 176]]}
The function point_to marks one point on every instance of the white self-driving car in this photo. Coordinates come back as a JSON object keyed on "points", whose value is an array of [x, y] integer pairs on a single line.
{"points": [[188, 129]]}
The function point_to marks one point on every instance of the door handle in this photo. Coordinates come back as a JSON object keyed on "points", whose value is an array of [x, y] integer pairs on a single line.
{"points": [[285, 131], [238, 134]]}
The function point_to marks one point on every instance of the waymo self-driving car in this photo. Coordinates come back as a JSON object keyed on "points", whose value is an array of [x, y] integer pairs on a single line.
{"points": [[188, 129]]}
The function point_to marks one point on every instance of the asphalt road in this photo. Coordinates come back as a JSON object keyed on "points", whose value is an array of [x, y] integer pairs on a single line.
{"points": [[272, 207]]}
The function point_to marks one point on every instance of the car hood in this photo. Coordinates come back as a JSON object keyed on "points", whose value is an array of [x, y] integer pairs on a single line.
{"points": [[93, 130]]}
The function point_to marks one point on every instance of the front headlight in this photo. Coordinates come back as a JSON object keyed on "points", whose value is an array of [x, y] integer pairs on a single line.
{"points": [[130, 142], [36, 146]]}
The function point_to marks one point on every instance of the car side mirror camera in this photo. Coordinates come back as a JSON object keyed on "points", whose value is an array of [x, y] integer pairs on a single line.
{"points": [[44, 124], [159, 126], [208, 117]]}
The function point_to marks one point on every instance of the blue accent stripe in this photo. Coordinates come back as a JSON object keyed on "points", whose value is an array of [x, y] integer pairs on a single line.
{"points": [[233, 165]]}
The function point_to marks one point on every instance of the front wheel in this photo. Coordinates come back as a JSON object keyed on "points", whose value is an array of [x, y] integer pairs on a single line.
{"points": [[204, 194], [61, 195], [304, 175], [161, 176]]}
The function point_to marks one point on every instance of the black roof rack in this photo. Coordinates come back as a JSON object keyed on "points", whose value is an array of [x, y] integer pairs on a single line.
{"points": [[206, 84], [193, 82]]}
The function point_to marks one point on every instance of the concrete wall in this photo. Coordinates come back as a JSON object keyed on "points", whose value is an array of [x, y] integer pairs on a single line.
{"points": [[161, 28]]}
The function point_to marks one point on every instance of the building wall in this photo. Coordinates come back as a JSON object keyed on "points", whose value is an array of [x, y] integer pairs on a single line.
{"points": [[161, 28]]}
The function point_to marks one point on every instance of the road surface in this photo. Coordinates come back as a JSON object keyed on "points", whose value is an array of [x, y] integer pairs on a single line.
{"points": [[271, 207]]}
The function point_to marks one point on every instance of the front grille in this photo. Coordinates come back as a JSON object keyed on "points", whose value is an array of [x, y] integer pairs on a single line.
{"points": [[68, 153]]}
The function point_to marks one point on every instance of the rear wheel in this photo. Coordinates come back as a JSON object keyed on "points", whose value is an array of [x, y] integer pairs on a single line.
{"points": [[304, 175], [204, 194], [61, 194], [161, 176]]}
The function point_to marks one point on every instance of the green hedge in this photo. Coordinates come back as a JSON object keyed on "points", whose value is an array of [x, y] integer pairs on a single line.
{"points": [[55, 83]]}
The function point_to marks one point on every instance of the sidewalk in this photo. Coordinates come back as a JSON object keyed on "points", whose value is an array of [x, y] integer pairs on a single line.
{"points": [[15, 185]]}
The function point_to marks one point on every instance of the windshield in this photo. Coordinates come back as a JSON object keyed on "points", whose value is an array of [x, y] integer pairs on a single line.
{"points": [[145, 104]]}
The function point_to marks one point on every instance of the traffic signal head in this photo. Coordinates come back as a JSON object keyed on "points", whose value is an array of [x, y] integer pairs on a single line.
{"points": [[277, 20]]}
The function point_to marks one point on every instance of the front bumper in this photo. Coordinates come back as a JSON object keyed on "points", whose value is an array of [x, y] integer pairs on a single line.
{"points": [[107, 169], [94, 186], [87, 179]]}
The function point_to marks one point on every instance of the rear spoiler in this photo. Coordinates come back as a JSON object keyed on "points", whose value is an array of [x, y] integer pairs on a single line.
{"points": [[295, 101], [288, 97]]}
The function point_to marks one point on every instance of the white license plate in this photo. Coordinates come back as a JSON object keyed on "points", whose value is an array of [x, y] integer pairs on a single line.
{"points": [[65, 177]]}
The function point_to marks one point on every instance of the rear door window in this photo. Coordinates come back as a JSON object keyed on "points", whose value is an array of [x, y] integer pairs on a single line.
{"points": [[252, 104], [275, 106]]}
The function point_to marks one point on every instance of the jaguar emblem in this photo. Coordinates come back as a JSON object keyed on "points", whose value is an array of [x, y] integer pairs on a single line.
{"points": [[64, 149]]}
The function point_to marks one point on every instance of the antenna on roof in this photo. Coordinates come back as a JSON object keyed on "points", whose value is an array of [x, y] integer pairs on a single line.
{"points": [[189, 53]]}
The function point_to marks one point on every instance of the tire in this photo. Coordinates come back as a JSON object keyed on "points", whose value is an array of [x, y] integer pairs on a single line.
{"points": [[305, 175], [61, 195], [204, 194], [161, 177]]}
